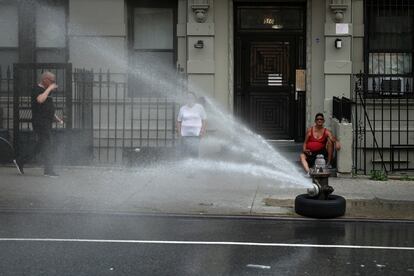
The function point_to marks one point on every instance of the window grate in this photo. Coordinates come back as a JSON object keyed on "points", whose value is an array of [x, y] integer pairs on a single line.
{"points": [[389, 40], [275, 80]]}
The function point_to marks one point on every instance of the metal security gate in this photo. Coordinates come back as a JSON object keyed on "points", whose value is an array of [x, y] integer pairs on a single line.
{"points": [[384, 95], [383, 128], [124, 129], [103, 123]]}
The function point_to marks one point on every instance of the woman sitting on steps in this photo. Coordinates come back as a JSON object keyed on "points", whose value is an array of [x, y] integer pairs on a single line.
{"points": [[318, 140]]}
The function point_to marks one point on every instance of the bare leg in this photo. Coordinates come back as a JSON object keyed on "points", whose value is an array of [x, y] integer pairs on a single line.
{"points": [[304, 162], [329, 149]]}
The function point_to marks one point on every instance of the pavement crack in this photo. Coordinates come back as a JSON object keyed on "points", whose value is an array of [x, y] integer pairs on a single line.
{"points": [[136, 192], [254, 199]]}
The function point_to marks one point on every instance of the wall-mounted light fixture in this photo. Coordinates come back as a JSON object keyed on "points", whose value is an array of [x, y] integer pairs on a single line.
{"points": [[338, 43], [199, 44], [277, 26]]}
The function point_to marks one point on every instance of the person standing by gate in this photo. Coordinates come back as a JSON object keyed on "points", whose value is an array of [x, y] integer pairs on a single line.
{"points": [[43, 115], [191, 126]]}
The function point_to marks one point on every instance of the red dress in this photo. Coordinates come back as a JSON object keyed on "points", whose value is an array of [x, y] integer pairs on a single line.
{"points": [[316, 145]]}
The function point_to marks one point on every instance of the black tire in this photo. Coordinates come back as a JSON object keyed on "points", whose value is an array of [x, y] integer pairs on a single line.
{"points": [[6, 151], [307, 206]]}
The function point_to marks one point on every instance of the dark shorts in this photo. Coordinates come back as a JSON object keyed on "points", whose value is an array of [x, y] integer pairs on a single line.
{"points": [[311, 158]]}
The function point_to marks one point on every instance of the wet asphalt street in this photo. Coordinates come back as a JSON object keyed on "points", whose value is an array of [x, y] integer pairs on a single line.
{"points": [[46, 243]]}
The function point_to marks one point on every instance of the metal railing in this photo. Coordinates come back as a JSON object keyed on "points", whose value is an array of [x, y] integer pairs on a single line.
{"points": [[383, 128], [342, 109], [401, 156], [122, 126], [107, 125], [6, 102]]}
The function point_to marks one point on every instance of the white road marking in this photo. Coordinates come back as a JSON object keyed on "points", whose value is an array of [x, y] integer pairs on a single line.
{"points": [[209, 243], [258, 266]]}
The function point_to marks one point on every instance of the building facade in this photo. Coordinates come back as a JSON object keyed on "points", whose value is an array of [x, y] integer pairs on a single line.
{"points": [[273, 64]]}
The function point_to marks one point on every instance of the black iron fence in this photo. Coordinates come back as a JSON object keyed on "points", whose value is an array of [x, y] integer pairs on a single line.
{"points": [[6, 102], [342, 109], [383, 125], [300, 116], [123, 127], [103, 124]]}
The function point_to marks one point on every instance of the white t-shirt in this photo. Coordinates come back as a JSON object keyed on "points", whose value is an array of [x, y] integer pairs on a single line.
{"points": [[191, 119]]}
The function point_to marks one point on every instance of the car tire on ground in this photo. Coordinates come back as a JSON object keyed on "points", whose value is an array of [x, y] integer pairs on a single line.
{"points": [[6, 151], [307, 206]]}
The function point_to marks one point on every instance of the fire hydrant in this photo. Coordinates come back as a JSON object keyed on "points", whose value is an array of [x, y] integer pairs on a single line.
{"points": [[320, 185], [320, 180], [319, 201]]}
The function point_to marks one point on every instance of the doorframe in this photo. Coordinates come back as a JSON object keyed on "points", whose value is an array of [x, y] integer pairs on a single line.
{"points": [[303, 96]]}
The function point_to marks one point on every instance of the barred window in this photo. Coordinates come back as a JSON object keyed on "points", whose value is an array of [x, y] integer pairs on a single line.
{"points": [[389, 37]]}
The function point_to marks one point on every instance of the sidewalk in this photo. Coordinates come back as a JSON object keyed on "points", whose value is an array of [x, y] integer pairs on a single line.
{"points": [[166, 190]]}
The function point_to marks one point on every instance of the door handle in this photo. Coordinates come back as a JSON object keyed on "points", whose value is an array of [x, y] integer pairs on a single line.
{"points": [[296, 92]]}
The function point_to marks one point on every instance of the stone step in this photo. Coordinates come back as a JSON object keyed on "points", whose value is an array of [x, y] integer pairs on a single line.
{"points": [[288, 149]]}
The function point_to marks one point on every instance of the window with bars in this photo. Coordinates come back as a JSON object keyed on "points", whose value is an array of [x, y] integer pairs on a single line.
{"points": [[152, 50], [389, 38]]}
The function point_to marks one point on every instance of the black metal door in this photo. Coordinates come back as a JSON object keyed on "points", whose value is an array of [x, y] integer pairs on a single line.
{"points": [[269, 48], [267, 89]]}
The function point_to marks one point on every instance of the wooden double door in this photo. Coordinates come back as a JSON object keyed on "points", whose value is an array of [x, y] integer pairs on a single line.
{"points": [[266, 61]]}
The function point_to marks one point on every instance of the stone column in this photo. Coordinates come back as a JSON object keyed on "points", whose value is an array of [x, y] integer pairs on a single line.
{"points": [[338, 52], [200, 46], [343, 132], [338, 72], [182, 36]]}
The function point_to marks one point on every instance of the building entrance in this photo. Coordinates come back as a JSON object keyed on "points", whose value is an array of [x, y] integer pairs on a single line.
{"points": [[269, 59]]}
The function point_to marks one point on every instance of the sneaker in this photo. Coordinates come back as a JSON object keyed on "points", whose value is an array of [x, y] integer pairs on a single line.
{"points": [[19, 166], [51, 174]]}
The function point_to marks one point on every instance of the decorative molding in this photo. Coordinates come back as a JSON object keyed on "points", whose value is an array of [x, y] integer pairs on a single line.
{"points": [[338, 8], [200, 10]]}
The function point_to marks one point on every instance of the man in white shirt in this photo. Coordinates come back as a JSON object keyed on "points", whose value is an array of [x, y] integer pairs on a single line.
{"points": [[191, 126]]}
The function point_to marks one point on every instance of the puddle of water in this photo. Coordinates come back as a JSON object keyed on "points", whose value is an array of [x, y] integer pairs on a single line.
{"points": [[380, 208]]}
